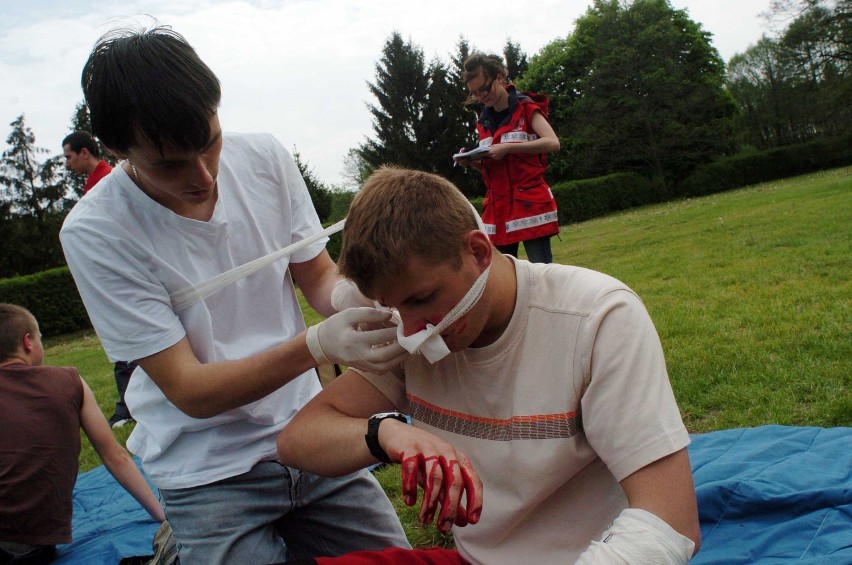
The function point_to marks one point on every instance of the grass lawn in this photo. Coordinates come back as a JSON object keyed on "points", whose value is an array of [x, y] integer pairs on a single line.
{"points": [[750, 291]]}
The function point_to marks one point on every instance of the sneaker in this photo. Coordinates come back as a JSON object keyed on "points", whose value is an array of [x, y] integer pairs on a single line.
{"points": [[117, 421]]}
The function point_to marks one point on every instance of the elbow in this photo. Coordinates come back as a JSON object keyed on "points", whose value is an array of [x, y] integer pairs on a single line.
{"points": [[695, 536], [555, 146], [194, 405]]}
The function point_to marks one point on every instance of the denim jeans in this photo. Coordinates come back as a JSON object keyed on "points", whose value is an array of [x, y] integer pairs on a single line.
{"points": [[275, 513], [538, 249], [122, 371]]}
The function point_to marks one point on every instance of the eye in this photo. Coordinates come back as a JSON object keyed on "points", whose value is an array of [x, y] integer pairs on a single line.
{"points": [[421, 300]]}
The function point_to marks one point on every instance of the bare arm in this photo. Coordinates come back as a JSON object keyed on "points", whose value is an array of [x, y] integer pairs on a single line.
{"points": [[665, 488], [547, 141], [203, 390], [316, 279], [115, 457], [326, 437]]}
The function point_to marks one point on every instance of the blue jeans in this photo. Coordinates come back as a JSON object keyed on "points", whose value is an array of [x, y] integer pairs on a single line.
{"points": [[538, 250], [275, 513]]}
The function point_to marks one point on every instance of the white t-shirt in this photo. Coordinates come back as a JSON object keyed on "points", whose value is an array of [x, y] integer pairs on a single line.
{"points": [[572, 398], [127, 254]]}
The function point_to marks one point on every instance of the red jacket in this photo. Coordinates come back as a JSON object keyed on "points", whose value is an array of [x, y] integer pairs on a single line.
{"points": [[518, 204]]}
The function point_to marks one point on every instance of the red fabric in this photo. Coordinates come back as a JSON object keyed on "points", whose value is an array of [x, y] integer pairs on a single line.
{"points": [[100, 172], [516, 187], [396, 555]]}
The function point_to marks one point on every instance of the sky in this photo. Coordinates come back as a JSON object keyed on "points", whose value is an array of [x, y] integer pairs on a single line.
{"points": [[295, 68]]}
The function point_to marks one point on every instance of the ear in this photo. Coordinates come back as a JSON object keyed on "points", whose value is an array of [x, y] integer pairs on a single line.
{"points": [[480, 245], [27, 342]]}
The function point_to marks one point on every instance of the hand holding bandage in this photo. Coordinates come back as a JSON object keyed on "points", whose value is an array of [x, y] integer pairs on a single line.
{"points": [[338, 339]]}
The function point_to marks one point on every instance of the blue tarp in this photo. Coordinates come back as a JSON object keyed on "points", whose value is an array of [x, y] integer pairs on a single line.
{"points": [[774, 494], [766, 495], [108, 524]]}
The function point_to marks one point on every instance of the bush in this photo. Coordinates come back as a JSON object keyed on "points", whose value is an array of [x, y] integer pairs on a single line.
{"points": [[52, 297], [754, 168], [580, 200]]}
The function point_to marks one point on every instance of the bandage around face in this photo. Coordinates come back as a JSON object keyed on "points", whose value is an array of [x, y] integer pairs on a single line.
{"points": [[428, 341]]}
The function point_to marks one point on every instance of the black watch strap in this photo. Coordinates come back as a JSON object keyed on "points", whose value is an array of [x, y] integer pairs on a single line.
{"points": [[372, 437]]}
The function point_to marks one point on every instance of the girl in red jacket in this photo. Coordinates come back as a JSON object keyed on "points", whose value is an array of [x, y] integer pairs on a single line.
{"points": [[519, 205]]}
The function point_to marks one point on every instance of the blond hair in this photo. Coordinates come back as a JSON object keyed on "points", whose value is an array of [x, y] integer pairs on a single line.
{"points": [[15, 322], [399, 213]]}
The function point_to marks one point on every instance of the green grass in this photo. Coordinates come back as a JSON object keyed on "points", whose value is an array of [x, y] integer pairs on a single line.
{"points": [[750, 291]]}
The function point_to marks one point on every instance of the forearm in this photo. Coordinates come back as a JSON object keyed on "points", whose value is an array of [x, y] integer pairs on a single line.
{"points": [[325, 442], [540, 145], [316, 279], [203, 390], [125, 471]]}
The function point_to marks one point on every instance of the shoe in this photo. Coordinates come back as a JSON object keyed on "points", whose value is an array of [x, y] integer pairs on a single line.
{"points": [[117, 421]]}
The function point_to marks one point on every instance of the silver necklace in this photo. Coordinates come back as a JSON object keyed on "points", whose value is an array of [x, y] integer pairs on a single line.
{"points": [[135, 174]]}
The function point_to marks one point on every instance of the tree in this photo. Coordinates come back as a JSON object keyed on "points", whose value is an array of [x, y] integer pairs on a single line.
{"points": [[320, 194], [420, 120], [636, 87], [797, 85], [32, 205], [463, 134], [517, 62], [401, 89]]}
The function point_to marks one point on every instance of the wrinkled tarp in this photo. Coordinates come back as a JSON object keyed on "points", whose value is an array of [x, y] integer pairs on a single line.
{"points": [[766, 495], [774, 494]]}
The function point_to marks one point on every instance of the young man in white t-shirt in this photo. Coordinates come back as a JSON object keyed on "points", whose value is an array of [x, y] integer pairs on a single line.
{"points": [[542, 416], [220, 377]]}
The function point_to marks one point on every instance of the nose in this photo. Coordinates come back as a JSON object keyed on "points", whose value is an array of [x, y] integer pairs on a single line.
{"points": [[204, 176], [411, 327]]}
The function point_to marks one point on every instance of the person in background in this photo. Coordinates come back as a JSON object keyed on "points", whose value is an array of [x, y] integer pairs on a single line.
{"points": [[518, 205], [82, 157], [544, 431], [220, 377], [42, 410]]}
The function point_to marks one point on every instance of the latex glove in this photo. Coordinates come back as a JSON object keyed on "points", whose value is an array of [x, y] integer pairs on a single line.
{"points": [[345, 294], [338, 340]]}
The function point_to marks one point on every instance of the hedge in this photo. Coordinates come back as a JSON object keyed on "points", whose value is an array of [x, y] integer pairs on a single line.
{"points": [[52, 297], [782, 162]]}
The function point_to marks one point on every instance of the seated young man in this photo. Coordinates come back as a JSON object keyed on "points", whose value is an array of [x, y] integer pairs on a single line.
{"points": [[42, 410], [549, 423]]}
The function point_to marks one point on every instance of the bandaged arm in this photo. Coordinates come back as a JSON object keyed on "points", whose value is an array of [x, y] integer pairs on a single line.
{"points": [[661, 525], [638, 537]]}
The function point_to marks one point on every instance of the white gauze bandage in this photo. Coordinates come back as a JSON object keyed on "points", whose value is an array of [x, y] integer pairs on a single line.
{"points": [[187, 296], [638, 537], [428, 341]]}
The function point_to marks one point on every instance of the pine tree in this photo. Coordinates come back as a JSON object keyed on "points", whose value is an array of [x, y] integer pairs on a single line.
{"points": [[32, 205], [517, 62], [401, 89], [320, 194]]}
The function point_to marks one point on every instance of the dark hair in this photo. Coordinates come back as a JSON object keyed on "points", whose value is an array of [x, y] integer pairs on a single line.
{"points": [[491, 66], [150, 83], [80, 139], [15, 321]]}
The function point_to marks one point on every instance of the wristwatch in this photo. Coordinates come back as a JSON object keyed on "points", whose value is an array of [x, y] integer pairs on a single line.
{"points": [[372, 436]]}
